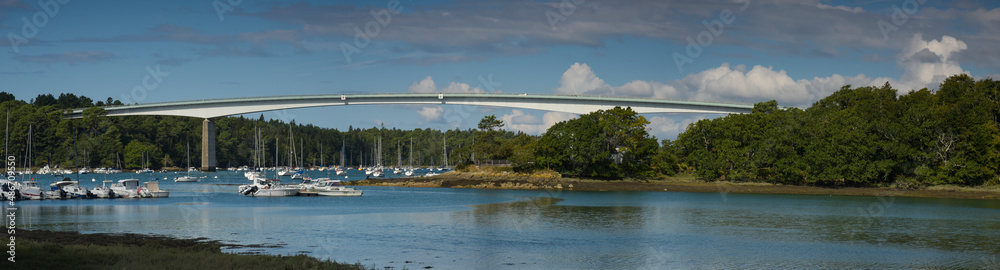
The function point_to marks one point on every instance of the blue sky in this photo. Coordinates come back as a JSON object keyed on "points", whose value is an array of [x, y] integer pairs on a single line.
{"points": [[795, 52]]}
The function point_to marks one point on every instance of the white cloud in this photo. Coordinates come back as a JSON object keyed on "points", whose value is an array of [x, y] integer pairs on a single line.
{"points": [[928, 63], [579, 79], [431, 114], [663, 127], [427, 85], [855, 10], [424, 86], [528, 123], [924, 64]]}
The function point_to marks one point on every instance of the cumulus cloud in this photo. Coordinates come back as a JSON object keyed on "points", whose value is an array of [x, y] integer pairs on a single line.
{"points": [[927, 63], [431, 114], [664, 127], [579, 79], [761, 83], [424, 86], [427, 85], [518, 120]]}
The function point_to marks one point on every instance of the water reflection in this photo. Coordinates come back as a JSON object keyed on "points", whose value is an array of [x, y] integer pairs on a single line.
{"points": [[462, 229]]}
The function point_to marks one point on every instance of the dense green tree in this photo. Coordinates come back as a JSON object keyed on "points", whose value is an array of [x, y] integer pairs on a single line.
{"points": [[608, 144], [865, 136]]}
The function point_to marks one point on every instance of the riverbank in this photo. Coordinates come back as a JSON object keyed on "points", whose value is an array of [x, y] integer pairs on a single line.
{"points": [[549, 180], [41, 249]]}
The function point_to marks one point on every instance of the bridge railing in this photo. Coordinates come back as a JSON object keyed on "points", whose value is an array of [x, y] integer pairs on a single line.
{"points": [[389, 94]]}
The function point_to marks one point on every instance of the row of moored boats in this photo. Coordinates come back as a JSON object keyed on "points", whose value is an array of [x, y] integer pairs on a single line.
{"points": [[69, 189], [263, 187]]}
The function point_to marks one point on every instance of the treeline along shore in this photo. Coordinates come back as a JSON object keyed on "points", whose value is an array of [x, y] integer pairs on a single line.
{"points": [[861, 137]]}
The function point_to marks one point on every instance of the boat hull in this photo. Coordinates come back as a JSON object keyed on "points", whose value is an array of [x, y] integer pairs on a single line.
{"points": [[276, 192], [339, 193]]}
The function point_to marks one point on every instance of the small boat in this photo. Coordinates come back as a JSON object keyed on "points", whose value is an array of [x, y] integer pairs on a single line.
{"points": [[153, 187], [104, 191], [44, 170], [327, 187], [31, 191], [187, 178], [408, 173], [70, 189], [267, 188], [129, 188]]}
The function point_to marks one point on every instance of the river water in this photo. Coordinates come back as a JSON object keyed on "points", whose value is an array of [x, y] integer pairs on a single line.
{"points": [[516, 229]]}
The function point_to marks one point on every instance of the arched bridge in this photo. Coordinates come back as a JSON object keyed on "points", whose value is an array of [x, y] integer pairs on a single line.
{"points": [[579, 104]]}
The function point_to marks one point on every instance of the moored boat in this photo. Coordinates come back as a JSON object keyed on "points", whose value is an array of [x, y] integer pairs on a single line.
{"points": [[267, 188], [153, 187], [129, 188]]}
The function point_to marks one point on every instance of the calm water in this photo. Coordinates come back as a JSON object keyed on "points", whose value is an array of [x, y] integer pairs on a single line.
{"points": [[503, 229]]}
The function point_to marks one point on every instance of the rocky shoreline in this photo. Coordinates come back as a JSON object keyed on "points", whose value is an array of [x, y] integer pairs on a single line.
{"points": [[502, 180]]}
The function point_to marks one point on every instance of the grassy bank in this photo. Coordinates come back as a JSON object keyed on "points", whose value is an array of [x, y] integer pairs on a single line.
{"points": [[503, 178], [69, 250]]}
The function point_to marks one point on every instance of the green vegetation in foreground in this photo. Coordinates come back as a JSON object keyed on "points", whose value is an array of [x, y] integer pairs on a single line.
{"points": [[69, 250]]}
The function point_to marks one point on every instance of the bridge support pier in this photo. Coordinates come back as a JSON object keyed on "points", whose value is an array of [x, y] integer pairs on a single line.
{"points": [[207, 145]]}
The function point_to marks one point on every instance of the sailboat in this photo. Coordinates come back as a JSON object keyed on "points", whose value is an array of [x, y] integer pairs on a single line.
{"points": [[340, 170], [188, 177], [409, 171]]}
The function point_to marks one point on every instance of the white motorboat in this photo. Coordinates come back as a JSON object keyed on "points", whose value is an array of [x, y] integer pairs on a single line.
{"points": [[104, 191], [408, 173], [144, 170], [267, 188], [327, 187], [377, 173], [44, 170], [72, 189], [153, 187], [187, 178], [31, 191], [341, 171], [129, 188], [84, 171], [285, 172]]}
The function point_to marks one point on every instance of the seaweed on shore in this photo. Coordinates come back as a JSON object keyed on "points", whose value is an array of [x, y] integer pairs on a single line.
{"points": [[42, 249]]}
